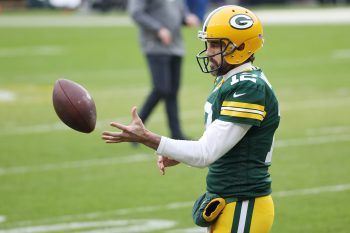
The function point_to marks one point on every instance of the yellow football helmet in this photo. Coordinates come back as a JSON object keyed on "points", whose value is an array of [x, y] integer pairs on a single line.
{"points": [[237, 28]]}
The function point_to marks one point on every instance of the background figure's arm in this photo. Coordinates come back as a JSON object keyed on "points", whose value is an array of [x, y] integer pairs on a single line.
{"points": [[137, 10]]}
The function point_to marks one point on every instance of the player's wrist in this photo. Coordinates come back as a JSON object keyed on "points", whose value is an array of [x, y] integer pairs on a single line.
{"points": [[151, 139]]}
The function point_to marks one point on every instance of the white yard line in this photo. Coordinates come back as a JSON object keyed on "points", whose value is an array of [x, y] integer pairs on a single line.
{"points": [[341, 54], [7, 96], [43, 50], [312, 191], [320, 103], [107, 226], [171, 206], [59, 126], [2, 218], [341, 129], [75, 164], [315, 140], [189, 230], [65, 21]]}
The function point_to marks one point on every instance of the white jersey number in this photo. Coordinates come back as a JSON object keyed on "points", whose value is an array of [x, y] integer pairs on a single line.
{"points": [[244, 77], [209, 112]]}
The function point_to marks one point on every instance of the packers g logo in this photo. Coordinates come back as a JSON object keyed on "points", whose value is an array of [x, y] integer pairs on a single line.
{"points": [[241, 21]]}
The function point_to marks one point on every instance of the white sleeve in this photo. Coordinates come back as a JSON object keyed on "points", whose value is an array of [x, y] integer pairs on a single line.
{"points": [[218, 139]]}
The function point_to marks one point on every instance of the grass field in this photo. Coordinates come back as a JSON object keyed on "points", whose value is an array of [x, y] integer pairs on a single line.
{"points": [[53, 179]]}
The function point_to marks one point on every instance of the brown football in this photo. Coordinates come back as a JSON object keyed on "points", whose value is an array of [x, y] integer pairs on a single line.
{"points": [[74, 105]]}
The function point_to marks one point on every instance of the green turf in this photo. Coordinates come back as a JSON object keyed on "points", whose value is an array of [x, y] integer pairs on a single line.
{"points": [[40, 184]]}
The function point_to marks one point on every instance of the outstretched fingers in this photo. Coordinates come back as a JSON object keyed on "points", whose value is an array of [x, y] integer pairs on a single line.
{"points": [[129, 133], [119, 126], [135, 117], [134, 114], [111, 137]]}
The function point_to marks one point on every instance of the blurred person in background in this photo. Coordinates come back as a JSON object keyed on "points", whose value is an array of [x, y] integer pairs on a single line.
{"points": [[241, 117], [198, 7], [159, 23]]}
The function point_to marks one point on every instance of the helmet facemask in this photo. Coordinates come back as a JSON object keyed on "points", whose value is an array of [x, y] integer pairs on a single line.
{"points": [[204, 60]]}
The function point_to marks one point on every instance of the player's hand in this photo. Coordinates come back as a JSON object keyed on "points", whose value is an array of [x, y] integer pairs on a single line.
{"points": [[165, 36], [164, 162], [135, 132]]}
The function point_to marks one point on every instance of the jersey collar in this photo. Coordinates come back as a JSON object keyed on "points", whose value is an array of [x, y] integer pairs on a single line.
{"points": [[239, 69]]}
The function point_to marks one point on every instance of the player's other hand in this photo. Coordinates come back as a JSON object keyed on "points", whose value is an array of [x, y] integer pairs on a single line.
{"points": [[164, 162]]}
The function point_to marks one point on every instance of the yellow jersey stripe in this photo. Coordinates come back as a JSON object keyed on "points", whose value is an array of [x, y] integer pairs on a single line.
{"points": [[242, 114], [263, 113], [243, 105]]}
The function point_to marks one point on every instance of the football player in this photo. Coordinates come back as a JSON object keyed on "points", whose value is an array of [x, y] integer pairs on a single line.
{"points": [[241, 117]]}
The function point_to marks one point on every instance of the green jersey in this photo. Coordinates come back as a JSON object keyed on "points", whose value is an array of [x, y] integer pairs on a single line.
{"points": [[246, 98]]}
